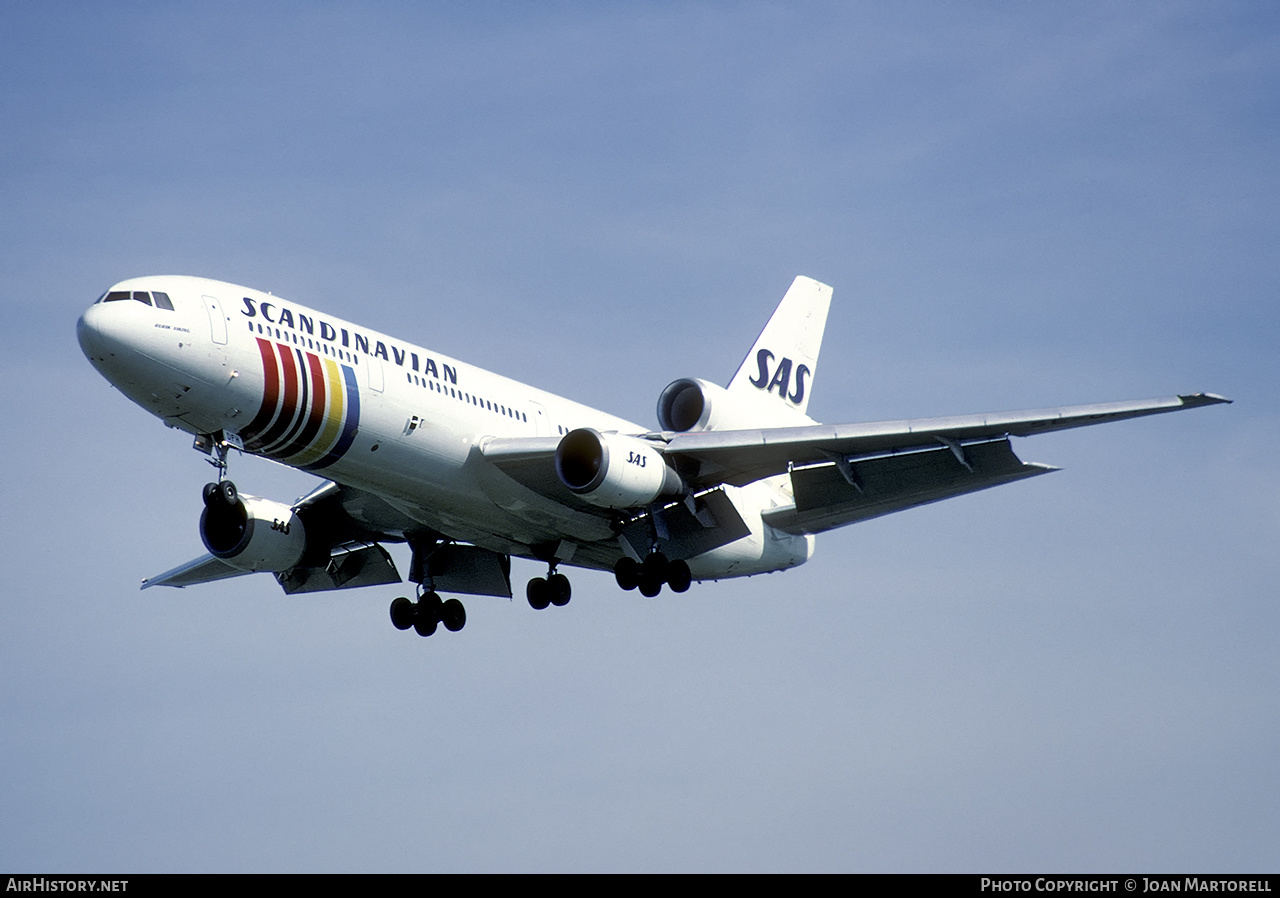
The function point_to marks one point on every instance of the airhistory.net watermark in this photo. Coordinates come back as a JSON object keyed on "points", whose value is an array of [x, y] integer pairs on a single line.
{"points": [[42, 884]]}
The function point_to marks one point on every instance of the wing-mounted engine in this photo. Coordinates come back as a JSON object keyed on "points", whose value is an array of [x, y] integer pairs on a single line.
{"points": [[310, 546], [612, 470], [249, 533], [693, 405]]}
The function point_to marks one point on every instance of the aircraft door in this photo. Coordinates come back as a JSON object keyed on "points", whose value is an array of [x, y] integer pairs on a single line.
{"points": [[540, 420], [217, 321]]}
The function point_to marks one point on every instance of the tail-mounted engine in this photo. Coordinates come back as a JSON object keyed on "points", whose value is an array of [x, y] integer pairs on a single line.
{"points": [[692, 405], [249, 533], [614, 471]]}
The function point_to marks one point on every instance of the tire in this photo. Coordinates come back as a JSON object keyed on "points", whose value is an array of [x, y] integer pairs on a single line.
{"points": [[678, 576], [655, 567], [454, 615], [402, 613], [538, 594], [560, 590], [228, 493], [627, 573], [649, 586], [427, 617], [210, 495]]}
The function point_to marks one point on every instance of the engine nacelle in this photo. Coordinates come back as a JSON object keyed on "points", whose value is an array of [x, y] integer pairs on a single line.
{"points": [[695, 405], [614, 471], [253, 534]]}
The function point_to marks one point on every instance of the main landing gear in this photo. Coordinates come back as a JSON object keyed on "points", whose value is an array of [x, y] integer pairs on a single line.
{"points": [[554, 589], [428, 613], [650, 574]]}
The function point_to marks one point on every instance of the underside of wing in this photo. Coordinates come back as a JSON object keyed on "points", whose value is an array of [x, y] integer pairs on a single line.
{"points": [[833, 495], [347, 567], [204, 569]]}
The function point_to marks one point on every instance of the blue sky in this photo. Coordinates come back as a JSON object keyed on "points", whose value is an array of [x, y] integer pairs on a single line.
{"points": [[1018, 206]]}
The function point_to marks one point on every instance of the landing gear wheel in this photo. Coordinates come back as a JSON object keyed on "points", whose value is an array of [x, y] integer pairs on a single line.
{"points": [[678, 576], [649, 586], [627, 572], [453, 615], [427, 617], [655, 567], [228, 493], [538, 592], [402, 613], [210, 495], [558, 586]]}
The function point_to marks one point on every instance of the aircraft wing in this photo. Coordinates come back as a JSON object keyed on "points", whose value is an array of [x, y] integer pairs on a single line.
{"points": [[204, 569], [845, 473], [739, 457], [849, 473], [351, 520]]}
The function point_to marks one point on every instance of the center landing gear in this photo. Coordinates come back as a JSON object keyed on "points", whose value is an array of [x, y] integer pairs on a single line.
{"points": [[553, 590], [650, 574], [428, 613]]}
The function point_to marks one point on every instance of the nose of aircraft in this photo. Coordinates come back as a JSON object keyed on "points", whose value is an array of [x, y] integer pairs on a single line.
{"points": [[106, 338], [87, 332]]}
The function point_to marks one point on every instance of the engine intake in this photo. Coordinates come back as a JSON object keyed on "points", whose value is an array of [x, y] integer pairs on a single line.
{"points": [[614, 471], [253, 534], [693, 405]]}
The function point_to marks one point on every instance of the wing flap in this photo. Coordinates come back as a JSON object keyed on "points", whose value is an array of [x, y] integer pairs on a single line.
{"points": [[349, 567], [686, 528], [835, 494], [466, 569]]}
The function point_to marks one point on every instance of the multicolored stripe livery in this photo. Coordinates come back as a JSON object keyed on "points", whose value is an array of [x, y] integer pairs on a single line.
{"points": [[310, 408]]}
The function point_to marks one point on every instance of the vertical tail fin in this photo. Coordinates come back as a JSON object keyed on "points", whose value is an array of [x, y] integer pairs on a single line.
{"points": [[784, 359]]}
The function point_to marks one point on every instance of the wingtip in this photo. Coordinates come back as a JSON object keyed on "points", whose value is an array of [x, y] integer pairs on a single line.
{"points": [[1192, 400]]}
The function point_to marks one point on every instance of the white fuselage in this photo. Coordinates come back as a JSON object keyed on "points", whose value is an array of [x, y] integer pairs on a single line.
{"points": [[375, 413]]}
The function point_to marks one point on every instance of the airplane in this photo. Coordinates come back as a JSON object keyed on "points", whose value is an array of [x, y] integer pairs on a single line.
{"points": [[470, 468]]}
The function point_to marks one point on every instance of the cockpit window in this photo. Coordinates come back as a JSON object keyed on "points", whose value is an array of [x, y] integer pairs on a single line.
{"points": [[161, 299]]}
